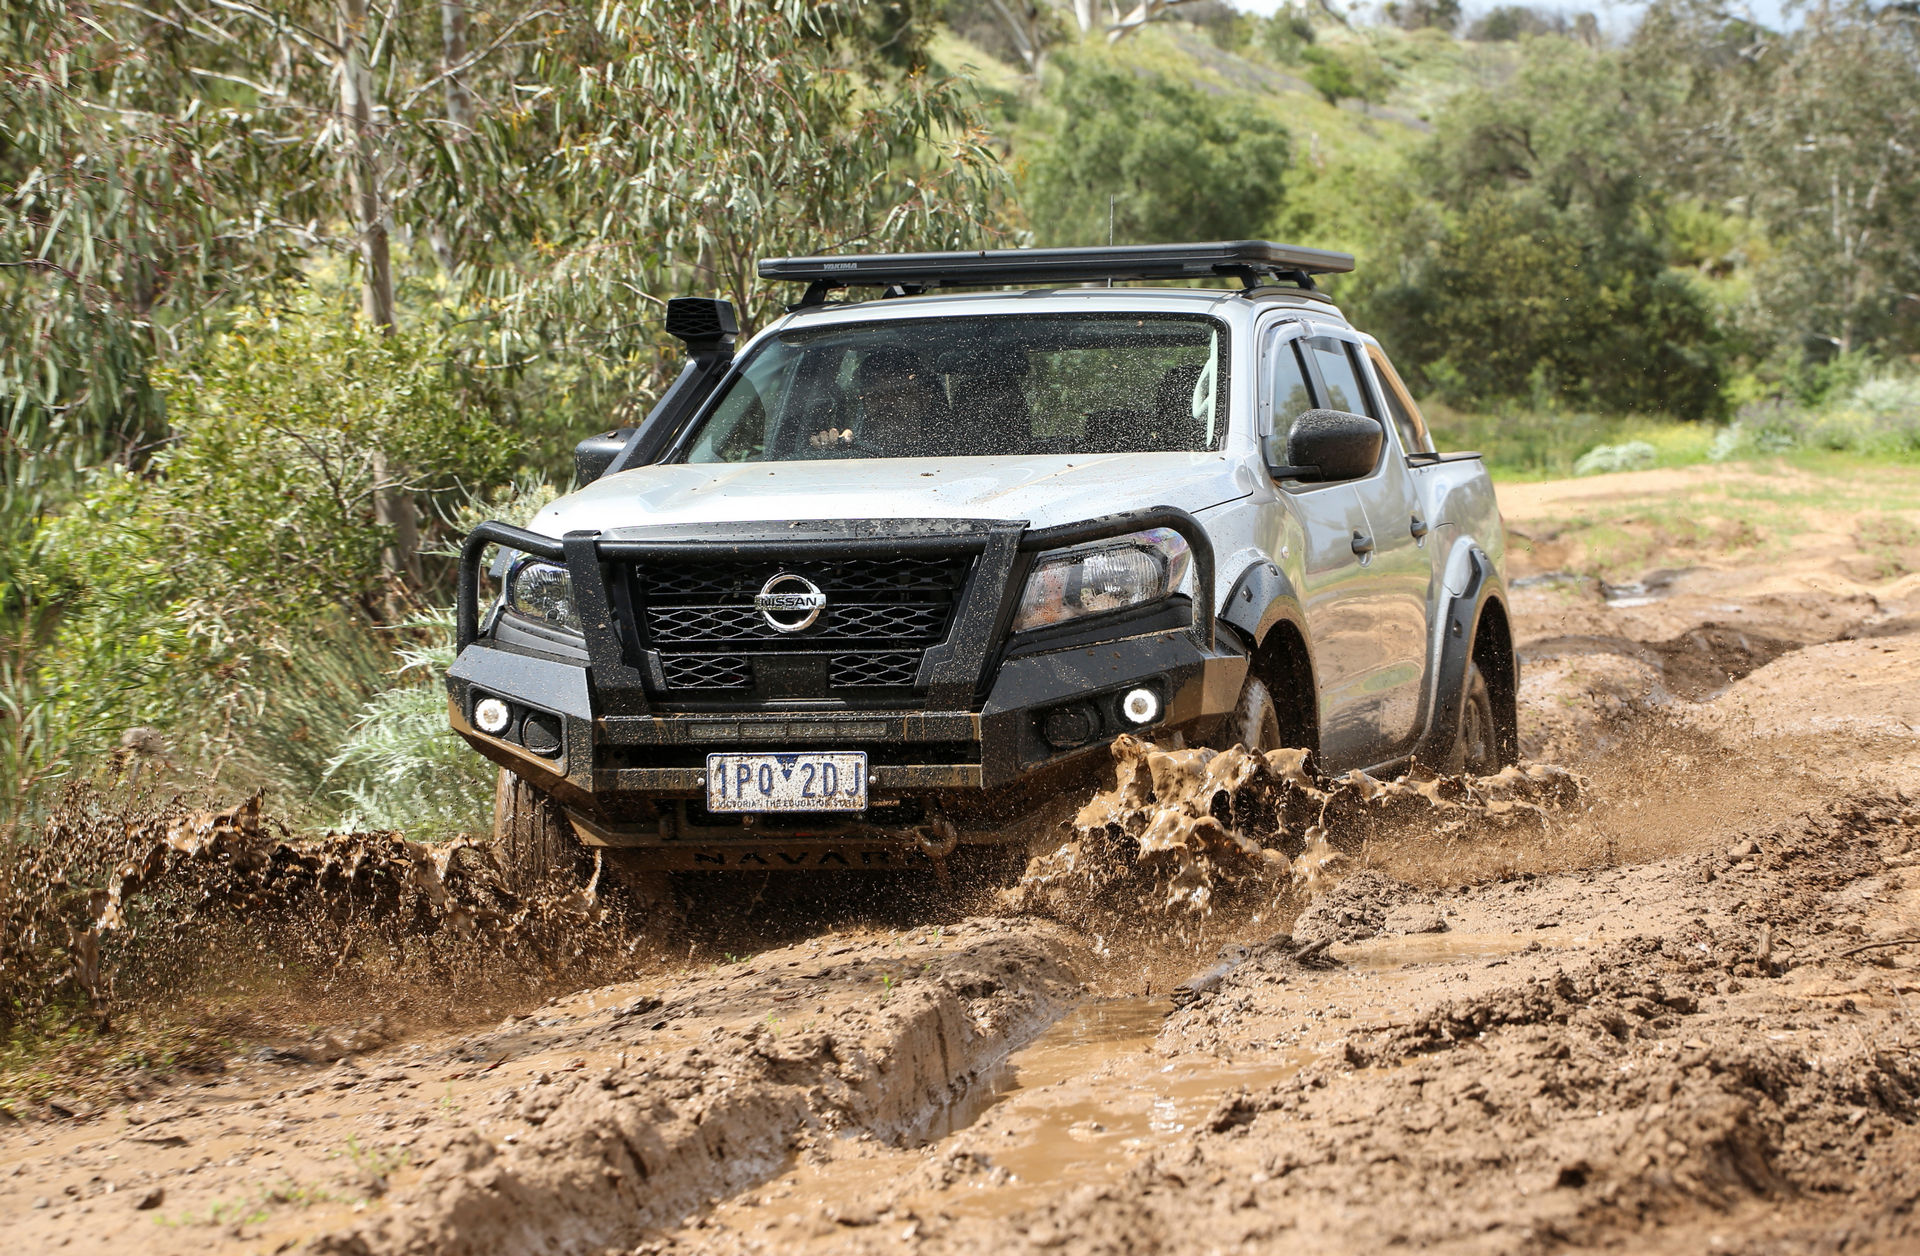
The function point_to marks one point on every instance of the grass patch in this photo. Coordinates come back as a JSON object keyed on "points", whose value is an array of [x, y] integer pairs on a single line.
{"points": [[1545, 445], [1761, 510]]}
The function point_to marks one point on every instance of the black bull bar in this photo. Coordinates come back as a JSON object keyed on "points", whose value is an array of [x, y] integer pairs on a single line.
{"points": [[619, 685]]}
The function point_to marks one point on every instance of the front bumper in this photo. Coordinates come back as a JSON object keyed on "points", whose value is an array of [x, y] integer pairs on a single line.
{"points": [[633, 775]]}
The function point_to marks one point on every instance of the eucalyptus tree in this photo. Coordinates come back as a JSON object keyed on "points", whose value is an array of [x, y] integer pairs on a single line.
{"points": [[165, 162], [1812, 133]]}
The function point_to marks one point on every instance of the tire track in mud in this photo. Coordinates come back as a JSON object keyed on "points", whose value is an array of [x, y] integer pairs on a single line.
{"points": [[635, 1146], [577, 1127], [1528, 1080]]}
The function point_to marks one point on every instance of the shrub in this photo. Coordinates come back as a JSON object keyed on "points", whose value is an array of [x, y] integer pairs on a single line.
{"points": [[1878, 416], [1633, 455], [207, 595], [401, 766]]}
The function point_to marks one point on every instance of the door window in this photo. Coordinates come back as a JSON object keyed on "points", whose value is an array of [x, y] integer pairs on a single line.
{"points": [[1337, 372], [1288, 386]]}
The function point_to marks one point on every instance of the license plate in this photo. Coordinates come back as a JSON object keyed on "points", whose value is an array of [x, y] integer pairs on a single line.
{"points": [[834, 780]]}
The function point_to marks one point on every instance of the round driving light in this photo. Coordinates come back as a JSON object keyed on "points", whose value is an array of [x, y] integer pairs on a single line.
{"points": [[1142, 706], [491, 716]]}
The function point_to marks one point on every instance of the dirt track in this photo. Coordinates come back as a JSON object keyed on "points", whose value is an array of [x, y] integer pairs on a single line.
{"points": [[1659, 1022]]}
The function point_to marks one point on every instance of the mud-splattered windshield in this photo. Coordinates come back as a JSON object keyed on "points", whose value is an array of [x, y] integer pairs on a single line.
{"points": [[974, 386]]}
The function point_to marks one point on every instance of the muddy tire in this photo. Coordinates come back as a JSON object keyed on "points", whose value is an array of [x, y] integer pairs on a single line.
{"points": [[533, 842], [1255, 723], [1476, 750]]}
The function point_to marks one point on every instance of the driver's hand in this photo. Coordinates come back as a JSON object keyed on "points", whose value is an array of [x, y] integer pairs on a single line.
{"points": [[830, 439]]}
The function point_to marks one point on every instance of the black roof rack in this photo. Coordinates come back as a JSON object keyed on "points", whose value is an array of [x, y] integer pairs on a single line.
{"points": [[906, 274]]}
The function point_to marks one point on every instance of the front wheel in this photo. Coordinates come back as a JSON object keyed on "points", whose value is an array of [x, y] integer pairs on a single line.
{"points": [[533, 841], [1255, 723], [1476, 750]]}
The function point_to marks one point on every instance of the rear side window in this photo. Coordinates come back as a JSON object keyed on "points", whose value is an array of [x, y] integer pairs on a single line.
{"points": [[1337, 372], [1400, 407]]}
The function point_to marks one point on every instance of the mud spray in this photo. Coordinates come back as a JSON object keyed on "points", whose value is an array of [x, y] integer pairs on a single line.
{"points": [[116, 905], [1186, 832]]}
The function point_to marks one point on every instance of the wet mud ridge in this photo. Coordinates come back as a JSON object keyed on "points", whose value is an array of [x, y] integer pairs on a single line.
{"points": [[579, 1127]]}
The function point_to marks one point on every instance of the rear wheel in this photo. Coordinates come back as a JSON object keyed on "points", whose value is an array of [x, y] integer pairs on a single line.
{"points": [[533, 841], [1477, 749]]}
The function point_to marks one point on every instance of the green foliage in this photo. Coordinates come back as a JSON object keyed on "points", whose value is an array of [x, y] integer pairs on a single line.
{"points": [[1806, 132], [402, 767], [1347, 72], [123, 220], [1879, 416], [1539, 271], [1632, 455], [244, 563], [1521, 443], [1286, 35], [1423, 14], [759, 139], [1178, 163], [1510, 22]]}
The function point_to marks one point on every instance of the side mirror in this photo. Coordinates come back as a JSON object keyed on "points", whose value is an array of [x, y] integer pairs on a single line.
{"points": [[1331, 445], [592, 456]]}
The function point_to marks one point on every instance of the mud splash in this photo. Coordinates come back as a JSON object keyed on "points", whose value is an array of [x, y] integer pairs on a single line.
{"points": [[112, 904], [1181, 827]]}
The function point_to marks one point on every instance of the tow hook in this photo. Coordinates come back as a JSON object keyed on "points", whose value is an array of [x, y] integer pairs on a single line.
{"points": [[938, 839]]}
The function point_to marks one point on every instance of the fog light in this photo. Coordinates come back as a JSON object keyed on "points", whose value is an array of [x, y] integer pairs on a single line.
{"points": [[1142, 706], [1070, 726], [491, 715], [540, 733]]}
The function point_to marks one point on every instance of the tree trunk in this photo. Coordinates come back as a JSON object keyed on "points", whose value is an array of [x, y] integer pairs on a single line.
{"points": [[1022, 28], [391, 508], [453, 50], [459, 100], [363, 169]]}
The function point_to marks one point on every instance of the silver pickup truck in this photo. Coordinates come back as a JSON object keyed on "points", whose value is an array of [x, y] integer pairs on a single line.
{"points": [[903, 567]]}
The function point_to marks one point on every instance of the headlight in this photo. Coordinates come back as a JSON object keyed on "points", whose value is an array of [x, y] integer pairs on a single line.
{"points": [[1131, 570], [542, 591]]}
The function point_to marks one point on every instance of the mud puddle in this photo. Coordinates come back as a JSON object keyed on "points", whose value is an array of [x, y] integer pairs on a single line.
{"points": [[1089, 1096], [1073, 1109], [1392, 954]]}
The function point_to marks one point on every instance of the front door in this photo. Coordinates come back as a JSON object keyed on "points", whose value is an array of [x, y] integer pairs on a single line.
{"points": [[1324, 520], [1391, 608]]}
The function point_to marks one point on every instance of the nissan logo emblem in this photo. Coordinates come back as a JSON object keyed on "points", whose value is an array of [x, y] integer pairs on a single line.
{"points": [[789, 603]]}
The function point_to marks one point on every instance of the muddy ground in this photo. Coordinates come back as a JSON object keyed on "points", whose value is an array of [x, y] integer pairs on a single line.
{"points": [[1673, 1014]]}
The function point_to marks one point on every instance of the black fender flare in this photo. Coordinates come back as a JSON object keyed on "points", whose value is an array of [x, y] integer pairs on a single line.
{"points": [[1460, 625], [1262, 597]]}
